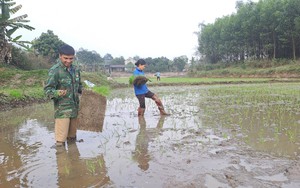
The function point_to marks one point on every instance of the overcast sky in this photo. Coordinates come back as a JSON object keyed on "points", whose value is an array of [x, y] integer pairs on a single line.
{"points": [[147, 28]]}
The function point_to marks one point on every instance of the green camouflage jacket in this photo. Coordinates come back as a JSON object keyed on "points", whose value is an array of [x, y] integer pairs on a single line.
{"points": [[59, 78]]}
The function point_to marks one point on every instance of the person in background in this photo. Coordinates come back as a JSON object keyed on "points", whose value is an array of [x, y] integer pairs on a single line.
{"points": [[157, 74], [64, 87], [141, 90]]}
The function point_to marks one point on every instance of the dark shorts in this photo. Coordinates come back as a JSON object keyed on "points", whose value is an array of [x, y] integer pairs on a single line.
{"points": [[141, 98]]}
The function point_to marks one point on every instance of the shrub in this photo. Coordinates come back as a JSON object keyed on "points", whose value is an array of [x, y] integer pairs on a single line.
{"points": [[27, 60]]}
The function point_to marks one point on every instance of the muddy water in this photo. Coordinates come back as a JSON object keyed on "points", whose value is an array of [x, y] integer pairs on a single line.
{"points": [[211, 140]]}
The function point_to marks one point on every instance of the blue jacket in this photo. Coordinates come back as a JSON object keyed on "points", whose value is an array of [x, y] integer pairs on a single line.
{"points": [[142, 89]]}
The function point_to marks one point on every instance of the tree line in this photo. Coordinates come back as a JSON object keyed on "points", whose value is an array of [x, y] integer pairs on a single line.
{"points": [[48, 43], [267, 29], [159, 64]]}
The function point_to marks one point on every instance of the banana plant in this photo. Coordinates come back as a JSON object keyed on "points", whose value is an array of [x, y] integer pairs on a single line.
{"points": [[9, 25]]}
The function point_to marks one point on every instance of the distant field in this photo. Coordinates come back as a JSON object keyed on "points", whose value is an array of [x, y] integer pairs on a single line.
{"points": [[187, 80]]}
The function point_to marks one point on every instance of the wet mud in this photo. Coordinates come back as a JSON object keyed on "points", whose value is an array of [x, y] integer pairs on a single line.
{"points": [[204, 143]]}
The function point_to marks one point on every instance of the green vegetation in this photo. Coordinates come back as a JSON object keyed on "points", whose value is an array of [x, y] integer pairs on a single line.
{"points": [[102, 90], [98, 78], [15, 94], [47, 45], [16, 85], [267, 29], [265, 68], [19, 85], [95, 167], [8, 26], [16, 78], [130, 80]]}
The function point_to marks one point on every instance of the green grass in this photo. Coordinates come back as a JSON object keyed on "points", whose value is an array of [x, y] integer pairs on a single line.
{"points": [[17, 94], [258, 68], [17, 84], [23, 93], [99, 79], [15, 78]]}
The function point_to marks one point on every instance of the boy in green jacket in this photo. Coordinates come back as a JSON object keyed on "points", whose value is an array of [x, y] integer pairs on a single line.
{"points": [[64, 87]]}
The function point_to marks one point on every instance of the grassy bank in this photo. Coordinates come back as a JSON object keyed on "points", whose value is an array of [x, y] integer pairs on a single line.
{"points": [[18, 88]]}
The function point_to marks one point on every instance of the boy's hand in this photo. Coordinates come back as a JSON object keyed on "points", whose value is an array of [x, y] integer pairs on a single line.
{"points": [[62, 92]]}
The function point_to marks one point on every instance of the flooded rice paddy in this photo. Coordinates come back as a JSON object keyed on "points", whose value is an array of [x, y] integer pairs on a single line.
{"points": [[217, 136]]}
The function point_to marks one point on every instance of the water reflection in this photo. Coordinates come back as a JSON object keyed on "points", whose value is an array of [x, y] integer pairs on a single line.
{"points": [[140, 155], [10, 161], [23, 153], [28, 159], [76, 172]]}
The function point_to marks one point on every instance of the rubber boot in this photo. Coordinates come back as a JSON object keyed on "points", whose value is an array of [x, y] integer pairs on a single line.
{"points": [[159, 105], [141, 111]]}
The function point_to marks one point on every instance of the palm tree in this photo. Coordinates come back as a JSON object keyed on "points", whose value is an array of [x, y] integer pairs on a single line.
{"points": [[8, 26]]}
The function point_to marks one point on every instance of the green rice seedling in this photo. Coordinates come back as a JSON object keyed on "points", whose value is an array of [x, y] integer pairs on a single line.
{"points": [[101, 163], [291, 135], [102, 90], [225, 135], [90, 166], [67, 170], [130, 81]]}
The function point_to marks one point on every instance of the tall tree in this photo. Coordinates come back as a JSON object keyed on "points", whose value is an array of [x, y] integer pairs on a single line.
{"points": [[117, 61], [108, 57], [89, 60], [271, 16], [47, 45], [8, 26], [266, 29], [290, 23], [180, 62], [88, 57]]}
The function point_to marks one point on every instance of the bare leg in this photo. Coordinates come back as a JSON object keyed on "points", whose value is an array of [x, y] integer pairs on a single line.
{"points": [[141, 111], [159, 105]]}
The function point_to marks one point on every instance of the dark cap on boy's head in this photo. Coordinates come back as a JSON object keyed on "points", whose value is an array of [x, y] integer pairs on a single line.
{"points": [[140, 62], [66, 50]]}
